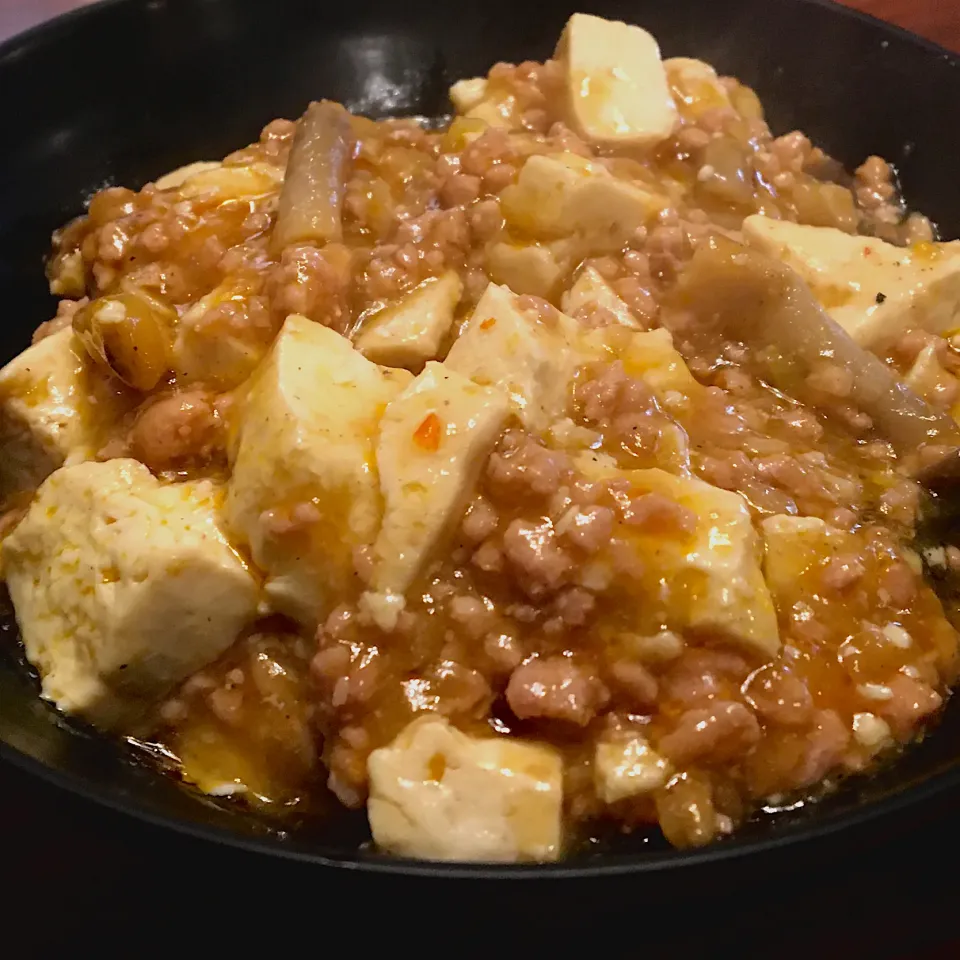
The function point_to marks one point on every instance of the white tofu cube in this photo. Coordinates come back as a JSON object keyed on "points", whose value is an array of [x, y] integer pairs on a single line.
{"points": [[438, 794], [495, 111], [564, 194], [707, 580], [69, 277], [794, 545], [466, 94], [304, 491], [695, 85], [928, 379], [648, 355], [615, 83], [123, 587], [220, 182], [874, 290], [511, 348], [590, 292], [209, 348], [434, 439], [506, 347], [173, 179], [409, 333], [53, 403], [479, 99], [628, 768], [524, 268]]}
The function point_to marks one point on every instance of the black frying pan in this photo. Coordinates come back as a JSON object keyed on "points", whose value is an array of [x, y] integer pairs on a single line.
{"points": [[125, 90]]}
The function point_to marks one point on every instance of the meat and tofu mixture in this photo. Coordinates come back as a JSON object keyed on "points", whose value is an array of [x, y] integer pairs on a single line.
{"points": [[555, 466]]}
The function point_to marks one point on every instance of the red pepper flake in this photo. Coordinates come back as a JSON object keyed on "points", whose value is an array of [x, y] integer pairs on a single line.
{"points": [[488, 323], [867, 251], [427, 435]]}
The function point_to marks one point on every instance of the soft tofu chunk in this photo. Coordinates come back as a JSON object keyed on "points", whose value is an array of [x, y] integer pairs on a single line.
{"points": [[506, 347], [652, 356], [434, 438], [874, 290], [696, 86], [69, 275], [304, 491], [438, 794], [494, 104], [615, 83], [648, 355], [628, 768], [173, 179], [465, 94], [409, 333], [51, 401], [210, 348], [491, 103], [123, 586], [928, 379], [707, 579], [591, 292], [795, 545], [524, 268], [563, 194], [221, 182], [494, 112]]}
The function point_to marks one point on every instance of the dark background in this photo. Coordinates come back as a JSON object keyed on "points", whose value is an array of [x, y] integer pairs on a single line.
{"points": [[84, 879], [938, 20]]}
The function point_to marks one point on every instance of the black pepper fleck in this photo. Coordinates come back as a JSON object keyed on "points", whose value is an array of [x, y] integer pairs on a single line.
{"points": [[881, 297]]}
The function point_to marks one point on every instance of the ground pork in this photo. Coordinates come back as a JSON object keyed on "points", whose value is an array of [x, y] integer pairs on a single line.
{"points": [[555, 688], [533, 551], [717, 733], [522, 467], [314, 283], [176, 429]]}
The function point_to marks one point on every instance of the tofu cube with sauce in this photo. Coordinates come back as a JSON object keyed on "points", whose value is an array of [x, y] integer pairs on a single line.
{"points": [[434, 438], [706, 579], [531, 268], [488, 103], [564, 194], [648, 355], [695, 86], [438, 794], [210, 348], [928, 379], [591, 292], [506, 346], [221, 182], [174, 178], [304, 490], [409, 333], [625, 768], [873, 289], [615, 84], [51, 402], [795, 545], [468, 93], [123, 586], [496, 109]]}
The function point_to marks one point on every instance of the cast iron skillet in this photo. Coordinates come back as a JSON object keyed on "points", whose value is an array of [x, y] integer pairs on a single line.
{"points": [[123, 91]]}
